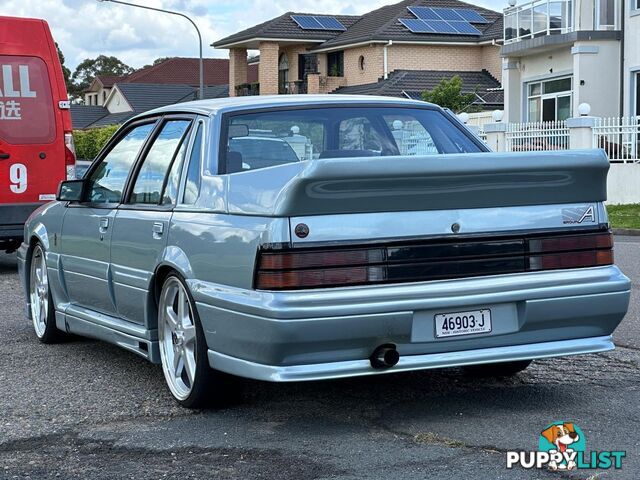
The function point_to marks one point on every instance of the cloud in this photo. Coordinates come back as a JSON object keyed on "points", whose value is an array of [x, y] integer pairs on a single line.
{"points": [[87, 28]]}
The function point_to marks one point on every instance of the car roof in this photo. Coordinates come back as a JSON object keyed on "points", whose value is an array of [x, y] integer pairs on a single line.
{"points": [[220, 105]]}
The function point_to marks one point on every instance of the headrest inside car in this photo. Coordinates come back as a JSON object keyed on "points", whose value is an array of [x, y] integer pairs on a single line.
{"points": [[234, 162]]}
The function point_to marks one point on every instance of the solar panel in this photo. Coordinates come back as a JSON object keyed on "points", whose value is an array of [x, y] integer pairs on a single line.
{"points": [[310, 22], [447, 14], [465, 28], [416, 25], [307, 22], [471, 15], [330, 23], [424, 13], [441, 26]]}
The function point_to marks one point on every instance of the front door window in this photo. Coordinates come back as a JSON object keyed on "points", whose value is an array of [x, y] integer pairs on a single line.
{"points": [[107, 179]]}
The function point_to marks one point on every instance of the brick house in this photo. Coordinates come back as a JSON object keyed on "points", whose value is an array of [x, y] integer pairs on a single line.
{"points": [[306, 53]]}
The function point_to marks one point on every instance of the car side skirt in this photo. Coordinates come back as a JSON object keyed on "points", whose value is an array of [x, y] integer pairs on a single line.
{"points": [[353, 368]]}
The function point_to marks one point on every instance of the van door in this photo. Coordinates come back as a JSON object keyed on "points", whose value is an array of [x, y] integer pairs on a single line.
{"points": [[32, 160]]}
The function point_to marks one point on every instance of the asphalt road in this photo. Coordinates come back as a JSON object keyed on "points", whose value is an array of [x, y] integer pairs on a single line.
{"points": [[86, 409]]}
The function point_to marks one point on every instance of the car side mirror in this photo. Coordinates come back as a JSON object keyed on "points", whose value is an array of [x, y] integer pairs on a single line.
{"points": [[70, 191]]}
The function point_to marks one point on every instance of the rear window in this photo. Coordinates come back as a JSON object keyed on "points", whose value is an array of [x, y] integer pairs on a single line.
{"points": [[275, 137], [26, 104]]}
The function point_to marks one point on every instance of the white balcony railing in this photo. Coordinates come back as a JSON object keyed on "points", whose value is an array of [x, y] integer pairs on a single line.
{"points": [[537, 18]]}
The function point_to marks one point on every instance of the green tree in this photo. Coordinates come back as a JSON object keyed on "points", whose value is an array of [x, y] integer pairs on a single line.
{"points": [[448, 94], [90, 68], [90, 142], [65, 70], [156, 62]]}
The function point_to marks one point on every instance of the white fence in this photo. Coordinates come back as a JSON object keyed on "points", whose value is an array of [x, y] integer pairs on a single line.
{"points": [[619, 137], [525, 137], [413, 139]]}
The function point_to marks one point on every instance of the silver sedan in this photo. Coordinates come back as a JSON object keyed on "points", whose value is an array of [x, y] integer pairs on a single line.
{"points": [[312, 237]]}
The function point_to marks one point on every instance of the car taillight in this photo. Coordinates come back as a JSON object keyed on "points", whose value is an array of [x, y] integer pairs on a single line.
{"points": [[70, 156], [323, 268], [574, 251], [436, 259]]}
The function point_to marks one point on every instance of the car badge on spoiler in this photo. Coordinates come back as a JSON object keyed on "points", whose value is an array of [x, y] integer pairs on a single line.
{"points": [[578, 215]]}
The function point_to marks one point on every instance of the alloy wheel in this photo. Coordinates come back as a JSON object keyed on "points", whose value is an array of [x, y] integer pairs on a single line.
{"points": [[39, 291], [177, 338]]}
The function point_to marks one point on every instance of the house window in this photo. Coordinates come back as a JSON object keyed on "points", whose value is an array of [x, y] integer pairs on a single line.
{"points": [[335, 64], [549, 100], [361, 62], [606, 13], [283, 74]]}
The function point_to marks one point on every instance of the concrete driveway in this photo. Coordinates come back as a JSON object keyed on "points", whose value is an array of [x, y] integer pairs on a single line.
{"points": [[85, 409]]}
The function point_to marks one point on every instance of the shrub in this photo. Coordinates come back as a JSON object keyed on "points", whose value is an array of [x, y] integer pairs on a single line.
{"points": [[448, 94], [90, 142]]}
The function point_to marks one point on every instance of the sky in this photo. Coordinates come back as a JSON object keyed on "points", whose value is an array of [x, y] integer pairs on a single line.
{"points": [[88, 28]]}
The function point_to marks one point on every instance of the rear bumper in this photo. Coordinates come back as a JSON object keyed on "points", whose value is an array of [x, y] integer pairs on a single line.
{"points": [[331, 333], [332, 370]]}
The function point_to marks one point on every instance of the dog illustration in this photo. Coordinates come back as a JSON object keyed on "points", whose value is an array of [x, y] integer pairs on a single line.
{"points": [[561, 436]]}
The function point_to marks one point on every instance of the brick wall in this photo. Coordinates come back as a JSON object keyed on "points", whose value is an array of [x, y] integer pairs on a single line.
{"points": [[492, 61], [268, 68], [400, 57], [237, 69], [373, 64], [435, 57], [292, 55]]}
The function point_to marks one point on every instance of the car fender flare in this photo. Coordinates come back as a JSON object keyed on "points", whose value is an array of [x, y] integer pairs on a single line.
{"points": [[175, 258], [39, 232]]}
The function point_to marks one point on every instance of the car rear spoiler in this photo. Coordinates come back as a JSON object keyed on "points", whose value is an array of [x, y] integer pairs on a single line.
{"points": [[434, 182]]}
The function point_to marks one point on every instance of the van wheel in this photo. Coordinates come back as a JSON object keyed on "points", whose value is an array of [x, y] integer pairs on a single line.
{"points": [[183, 351], [40, 301], [506, 369]]}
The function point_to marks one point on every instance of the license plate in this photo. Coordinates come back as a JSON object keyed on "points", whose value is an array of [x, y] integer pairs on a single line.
{"points": [[463, 323]]}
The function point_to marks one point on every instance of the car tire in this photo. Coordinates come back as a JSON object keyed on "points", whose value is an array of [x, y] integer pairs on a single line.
{"points": [[183, 351], [505, 369], [41, 304]]}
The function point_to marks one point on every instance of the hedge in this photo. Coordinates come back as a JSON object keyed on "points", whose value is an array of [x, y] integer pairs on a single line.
{"points": [[89, 142]]}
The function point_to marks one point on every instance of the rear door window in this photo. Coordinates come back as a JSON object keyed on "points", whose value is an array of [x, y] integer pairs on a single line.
{"points": [[26, 103], [192, 185], [150, 181]]}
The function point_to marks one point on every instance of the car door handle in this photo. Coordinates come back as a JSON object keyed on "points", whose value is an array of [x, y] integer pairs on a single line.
{"points": [[104, 224], [158, 229], [5, 156]]}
